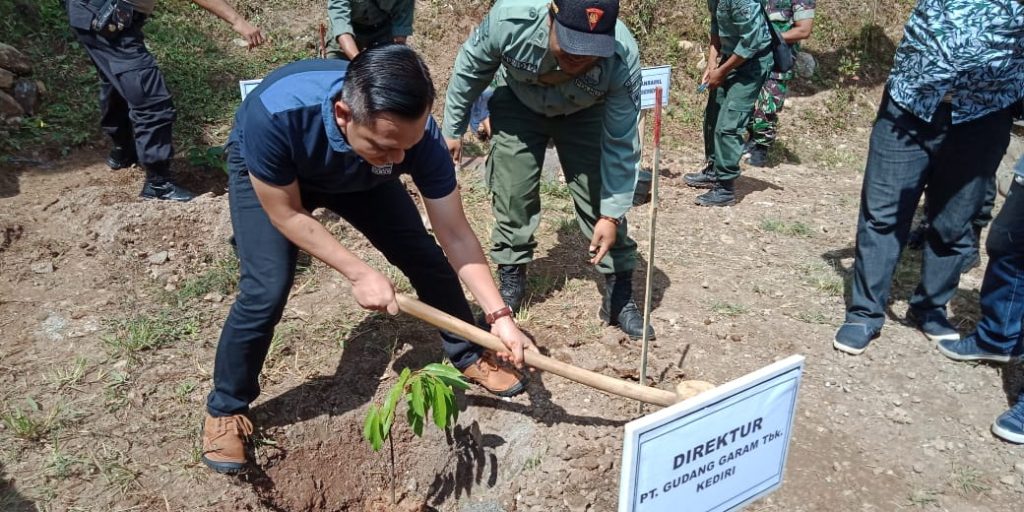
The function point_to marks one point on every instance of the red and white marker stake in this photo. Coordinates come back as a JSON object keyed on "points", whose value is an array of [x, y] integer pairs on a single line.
{"points": [[650, 252]]}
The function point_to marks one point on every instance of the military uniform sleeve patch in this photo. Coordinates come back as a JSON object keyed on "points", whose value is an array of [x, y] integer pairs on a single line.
{"points": [[633, 86]]}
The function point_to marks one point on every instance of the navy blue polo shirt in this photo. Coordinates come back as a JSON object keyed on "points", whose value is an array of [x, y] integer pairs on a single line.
{"points": [[285, 131]]}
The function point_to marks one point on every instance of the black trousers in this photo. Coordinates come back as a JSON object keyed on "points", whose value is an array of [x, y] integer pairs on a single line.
{"points": [[389, 219], [135, 106]]}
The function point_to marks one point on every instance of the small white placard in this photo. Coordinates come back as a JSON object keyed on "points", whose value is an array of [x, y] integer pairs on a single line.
{"points": [[651, 78], [717, 451], [246, 86]]}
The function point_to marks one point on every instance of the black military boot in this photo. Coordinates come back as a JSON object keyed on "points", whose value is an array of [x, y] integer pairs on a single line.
{"points": [[758, 156], [618, 307], [159, 185], [121, 157], [512, 285], [722, 194], [704, 178]]}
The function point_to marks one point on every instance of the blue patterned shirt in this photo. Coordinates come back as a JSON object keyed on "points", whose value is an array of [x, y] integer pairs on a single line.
{"points": [[969, 52]]}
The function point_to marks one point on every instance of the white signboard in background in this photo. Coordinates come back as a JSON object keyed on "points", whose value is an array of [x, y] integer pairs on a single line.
{"points": [[246, 86], [717, 451], [651, 78]]}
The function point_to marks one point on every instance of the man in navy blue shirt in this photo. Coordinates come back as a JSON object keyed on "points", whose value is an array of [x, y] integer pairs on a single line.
{"points": [[334, 134]]}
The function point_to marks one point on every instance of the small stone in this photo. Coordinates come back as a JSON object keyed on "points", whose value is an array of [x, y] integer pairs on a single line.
{"points": [[577, 503], [6, 79], [213, 297], [736, 337], [43, 267], [705, 284], [918, 468], [170, 287], [238, 41], [836, 467], [686, 46], [12, 59], [1008, 480], [911, 375], [9, 107], [1019, 467], [412, 485], [159, 258]]}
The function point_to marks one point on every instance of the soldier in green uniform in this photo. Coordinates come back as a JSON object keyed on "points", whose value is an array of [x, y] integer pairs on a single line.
{"points": [[739, 61], [566, 71], [356, 25], [794, 19]]}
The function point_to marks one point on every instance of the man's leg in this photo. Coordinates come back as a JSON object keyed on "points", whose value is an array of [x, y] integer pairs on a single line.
{"points": [[267, 264], [513, 175], [899, 158], [131, 70], [964, 169], [115, 122], [765, 120], [578, 141], [741, 90], [388, 217], [998, 334], [705, 176]]}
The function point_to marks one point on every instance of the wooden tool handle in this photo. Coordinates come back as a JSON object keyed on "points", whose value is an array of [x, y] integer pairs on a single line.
{"points": [[619, 387]]}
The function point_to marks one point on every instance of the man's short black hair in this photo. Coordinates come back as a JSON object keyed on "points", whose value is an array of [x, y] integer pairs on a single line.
{"points": [[388, 79]]}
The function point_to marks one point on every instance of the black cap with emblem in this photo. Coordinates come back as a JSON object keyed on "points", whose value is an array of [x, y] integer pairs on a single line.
{"points": [[586, 27]]}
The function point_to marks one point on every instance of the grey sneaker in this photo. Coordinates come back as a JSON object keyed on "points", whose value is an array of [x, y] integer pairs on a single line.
{"points": [[853, 338]]}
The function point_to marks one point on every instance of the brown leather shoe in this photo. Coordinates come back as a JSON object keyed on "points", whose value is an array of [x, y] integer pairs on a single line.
{"points": [[495, 377], [224, 441]]}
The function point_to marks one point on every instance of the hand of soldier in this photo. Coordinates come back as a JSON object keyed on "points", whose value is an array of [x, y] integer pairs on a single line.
{"points": [[715, 79], [455, 150], [251, 34], [603, 239], [399, 39], [375, 291]]}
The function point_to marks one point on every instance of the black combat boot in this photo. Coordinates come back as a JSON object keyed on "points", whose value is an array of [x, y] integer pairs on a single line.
{"points": [[618, 307], [159, 185], [758, 156], [722, 194], [121, 157], [512, 285], [704, 178]]}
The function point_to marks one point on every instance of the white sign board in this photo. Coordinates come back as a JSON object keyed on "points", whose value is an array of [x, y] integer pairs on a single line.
{"points": [[246, 86], [651, 78], [717, 451]]}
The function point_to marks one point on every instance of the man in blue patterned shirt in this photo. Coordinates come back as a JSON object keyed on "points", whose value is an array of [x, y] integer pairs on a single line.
{"points": [[944, 124]]}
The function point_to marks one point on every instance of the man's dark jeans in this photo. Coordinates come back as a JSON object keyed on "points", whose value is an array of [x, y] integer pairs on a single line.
{"points": [[1002, 292], [388, 218], [907, 154]]}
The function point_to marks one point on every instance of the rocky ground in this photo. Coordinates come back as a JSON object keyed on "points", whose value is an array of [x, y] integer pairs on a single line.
{"points": [[110, 309]]}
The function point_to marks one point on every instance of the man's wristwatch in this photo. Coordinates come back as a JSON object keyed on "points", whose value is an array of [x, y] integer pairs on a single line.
{"points": [[503, 312], [613, 220]]}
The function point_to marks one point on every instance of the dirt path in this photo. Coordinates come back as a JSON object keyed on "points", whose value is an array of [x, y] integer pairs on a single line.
{"points": [[111, 309]]}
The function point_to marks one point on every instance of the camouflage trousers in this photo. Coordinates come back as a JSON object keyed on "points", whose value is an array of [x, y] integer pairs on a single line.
{"points": [[764, 122]]}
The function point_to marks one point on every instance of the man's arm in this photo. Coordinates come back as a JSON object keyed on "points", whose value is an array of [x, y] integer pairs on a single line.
{"points": [[283, 205], [620, 152], [340, 14], [222, 10], [475, 66], [800, 30], [467, 258]]}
